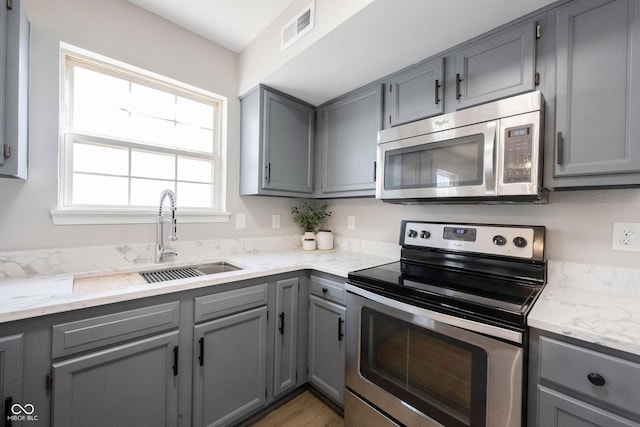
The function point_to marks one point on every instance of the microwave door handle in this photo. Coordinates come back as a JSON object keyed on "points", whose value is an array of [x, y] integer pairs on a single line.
{"points": [[490, 158]]}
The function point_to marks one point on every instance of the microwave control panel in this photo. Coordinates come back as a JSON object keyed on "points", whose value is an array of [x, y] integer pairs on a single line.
{"points": [[518, 147]]}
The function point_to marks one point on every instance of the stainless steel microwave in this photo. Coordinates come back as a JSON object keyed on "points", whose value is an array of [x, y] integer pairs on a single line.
{"points": [[489, 153]]}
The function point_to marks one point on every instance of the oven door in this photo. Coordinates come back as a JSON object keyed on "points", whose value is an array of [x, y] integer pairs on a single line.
{"points": [[411, 364], [452, 163]]}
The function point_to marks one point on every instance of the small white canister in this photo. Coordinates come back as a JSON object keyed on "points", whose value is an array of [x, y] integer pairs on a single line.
{"points": [[309, 241], [324, 240]]}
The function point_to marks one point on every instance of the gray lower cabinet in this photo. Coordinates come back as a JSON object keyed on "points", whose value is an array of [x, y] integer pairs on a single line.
{"points": [[11, 374], [14, 94], [497, 66], [575, 384], [560, 410], [597, 96], [286, 336], [414, 93], [133, 384], [327, 346], [230, 356], [276, 144], [347, 141], [117, 369]]}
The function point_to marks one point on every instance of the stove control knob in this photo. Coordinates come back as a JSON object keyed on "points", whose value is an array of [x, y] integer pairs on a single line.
{"points": [[520, 242], [499, 240], [412, 233], [424, 234]]}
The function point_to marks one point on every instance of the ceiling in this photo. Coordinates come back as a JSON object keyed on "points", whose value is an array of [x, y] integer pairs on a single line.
{"points": [[383, 37], [230, 23]]}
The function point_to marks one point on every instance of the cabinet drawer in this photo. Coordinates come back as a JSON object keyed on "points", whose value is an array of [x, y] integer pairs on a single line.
{"points": [[225, 303], [328, 289], [74, 337], [570, 366]]}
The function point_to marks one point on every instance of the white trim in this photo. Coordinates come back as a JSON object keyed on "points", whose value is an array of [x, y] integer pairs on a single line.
{"points": [[77, 216]]}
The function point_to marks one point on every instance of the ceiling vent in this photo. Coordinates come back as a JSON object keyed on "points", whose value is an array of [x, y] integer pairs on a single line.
{"points": [[300, 25]]}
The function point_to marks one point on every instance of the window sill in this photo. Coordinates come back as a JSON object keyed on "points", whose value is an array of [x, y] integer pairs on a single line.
{"points": [[76, 216]]}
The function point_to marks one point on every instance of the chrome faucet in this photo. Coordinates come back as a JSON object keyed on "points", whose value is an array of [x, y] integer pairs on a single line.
{"points": [[161, 252]]}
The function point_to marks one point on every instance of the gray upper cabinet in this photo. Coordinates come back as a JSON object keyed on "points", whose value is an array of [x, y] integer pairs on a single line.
{"points": [[497, 66], [597, 96], [276, 154], [348, 135], [414, 93], [14, 81]]}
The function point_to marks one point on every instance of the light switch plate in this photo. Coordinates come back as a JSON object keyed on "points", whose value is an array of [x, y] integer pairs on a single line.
{"points": [[241, 220], [275, 221], [351, 222]]}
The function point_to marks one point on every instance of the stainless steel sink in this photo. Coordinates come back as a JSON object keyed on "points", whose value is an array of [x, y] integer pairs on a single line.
{"points": [[167, 274]]}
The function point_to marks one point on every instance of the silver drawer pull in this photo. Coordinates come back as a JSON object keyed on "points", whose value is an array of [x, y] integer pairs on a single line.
{"points": [[596, 379]]}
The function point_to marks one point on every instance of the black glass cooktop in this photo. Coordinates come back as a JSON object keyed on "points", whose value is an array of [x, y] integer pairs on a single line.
{"points": [[490, 298]]}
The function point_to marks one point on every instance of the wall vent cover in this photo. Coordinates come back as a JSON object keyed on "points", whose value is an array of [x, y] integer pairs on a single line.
{"points": [[297, 27]]}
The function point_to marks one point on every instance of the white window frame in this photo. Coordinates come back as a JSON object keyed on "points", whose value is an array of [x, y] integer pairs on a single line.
{"points": [[65, 213]]}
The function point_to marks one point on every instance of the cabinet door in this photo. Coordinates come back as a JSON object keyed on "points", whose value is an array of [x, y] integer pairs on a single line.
{"points": [[496, 67], [415, 93], [327, 347], [11, 357], [285, 369], [288, 144], [229, 378], [598, 95], [558, 410], [348, 140], [14, 76], [131, 384]]}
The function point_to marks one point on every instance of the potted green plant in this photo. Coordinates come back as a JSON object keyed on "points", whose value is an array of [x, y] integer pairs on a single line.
{"points": [[310, 218]]}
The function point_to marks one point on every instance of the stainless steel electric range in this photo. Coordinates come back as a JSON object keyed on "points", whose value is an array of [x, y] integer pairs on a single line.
{"points": [[439, 337]]}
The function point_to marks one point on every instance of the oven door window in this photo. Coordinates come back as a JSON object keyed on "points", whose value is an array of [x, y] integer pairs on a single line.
{"points": [[457, 162], [442, 377]]}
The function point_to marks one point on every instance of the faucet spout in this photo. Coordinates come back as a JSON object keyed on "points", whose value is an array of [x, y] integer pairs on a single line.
{"points": [[161, 252]]}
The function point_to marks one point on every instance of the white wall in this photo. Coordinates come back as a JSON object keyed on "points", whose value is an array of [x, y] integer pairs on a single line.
{"points": [[117, 29], [579, 223]]}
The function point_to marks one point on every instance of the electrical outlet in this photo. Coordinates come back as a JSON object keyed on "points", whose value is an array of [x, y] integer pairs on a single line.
{"points": [[351, 222], [626, 236], [275, 221], [241, 220]]}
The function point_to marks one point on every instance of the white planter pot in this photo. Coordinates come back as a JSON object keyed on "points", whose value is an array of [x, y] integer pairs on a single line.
{"points": [[308, 241], [324, 240]]}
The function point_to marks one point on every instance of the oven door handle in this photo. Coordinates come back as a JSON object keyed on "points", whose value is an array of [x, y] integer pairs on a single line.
{"points": [[470, 325]]}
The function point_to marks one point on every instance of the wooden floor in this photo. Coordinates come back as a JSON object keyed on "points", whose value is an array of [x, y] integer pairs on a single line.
{"points": [[303, 410]]}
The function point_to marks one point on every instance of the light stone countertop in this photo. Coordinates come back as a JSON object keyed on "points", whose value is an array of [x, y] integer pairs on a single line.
{"points": [[23, 298], [596, 304]]}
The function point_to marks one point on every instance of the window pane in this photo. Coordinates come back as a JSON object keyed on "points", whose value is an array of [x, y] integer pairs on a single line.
{"points": [[194, 113], [145, 164], [192, 138], [153, 102], [101, 120], [100, 159], [146, 192], [152, 130], [99, 190], [97, 88], [194, 195], [194, 170]]}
